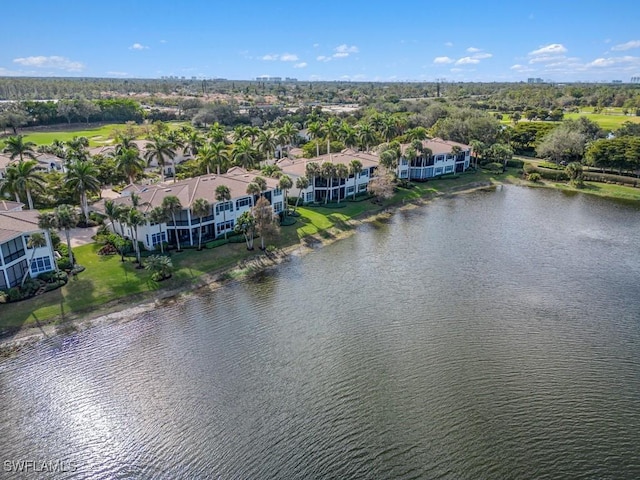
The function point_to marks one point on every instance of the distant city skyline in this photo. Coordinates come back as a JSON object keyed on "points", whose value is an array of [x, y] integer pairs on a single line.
{"points": [[562, 41]]}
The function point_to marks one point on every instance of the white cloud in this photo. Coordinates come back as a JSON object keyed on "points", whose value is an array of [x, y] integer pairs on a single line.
{"points": [[323, 58], [288, 57], [300, 65], [467, 61], [626, 46], [285, 57], [482, 56], [340, 55], [552, 49], [54, 62], [473, 50], [163, 41], [344, 48], [448, 44], [442, 60], [613, 61], [138, 46], [316, 45]]}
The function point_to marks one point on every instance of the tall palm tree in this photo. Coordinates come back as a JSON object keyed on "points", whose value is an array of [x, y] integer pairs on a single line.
{"points": [[355, 167], [328, 171], [312, 171], [133, 218], [240, 132], [129, 163], [287, 134], [254, 190], [36, 240], [285, 183], [193, 143], [124, 142], [66, 219], [177, 143], [267, 143], [81, 177], [342, 172], [23, 177], [366, 135], [243, 154], [316, 131], [201, 208], [77, 149], [389, 128], [223, 194], [262, 183], [16, 146], [159, 149], [159, 215], [219, 155], [348, 135], [49, 221], [171, 204], [331, 132], [302, 183], [417, 133]]}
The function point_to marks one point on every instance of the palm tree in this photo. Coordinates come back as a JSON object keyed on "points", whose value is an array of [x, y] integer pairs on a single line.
{"points": [[82, 178], [159, 149], [129, 163], [262, 183], [219, 155], [159, 215], [23, 177], [66, 219], [201, 209], [342, 172], [285, 183], [36, 240], [47, 222], [302, 183], [418, 133], [16, 147], [355, 167], [254, 189], [160, 267], [267, 143], [133, 218], [217, 133], [176, 142], [124, 142], [479, 150], [287, 134], [348, 135], [193, 143], [328, 171], [312, 171], [315, 130], [223, 194], [389, 127], [171, 204], [246, 224], [366, 135], [76, 149], [331, 131], [243, 154]]}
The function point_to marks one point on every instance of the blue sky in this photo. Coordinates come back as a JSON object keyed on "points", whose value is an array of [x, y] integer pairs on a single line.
{"points": [[324, 40]]}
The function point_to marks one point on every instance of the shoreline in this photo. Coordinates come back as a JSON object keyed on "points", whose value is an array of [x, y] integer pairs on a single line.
{"points": [[124, 310]]}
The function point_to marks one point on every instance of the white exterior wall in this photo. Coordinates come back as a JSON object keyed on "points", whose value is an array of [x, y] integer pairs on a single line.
{"points": [[39, 265]]}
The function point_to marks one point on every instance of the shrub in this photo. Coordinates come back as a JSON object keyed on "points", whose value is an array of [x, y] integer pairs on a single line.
{"points": [[63, 250], [64, 264], [493, 167], [4, 297], [55, 239], [515, 163], [14, 294], [534, 177]]}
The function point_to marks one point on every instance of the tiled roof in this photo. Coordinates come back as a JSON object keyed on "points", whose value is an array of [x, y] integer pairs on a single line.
{"points": [[438, 146], [7, 206], [13, 224], [297, 167]]}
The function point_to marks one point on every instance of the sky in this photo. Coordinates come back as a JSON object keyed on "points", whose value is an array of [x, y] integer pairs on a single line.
{"points": [[401, 40]]}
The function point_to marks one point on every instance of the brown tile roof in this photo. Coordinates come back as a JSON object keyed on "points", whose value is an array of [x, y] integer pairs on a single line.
{"points": [[297, 167], [187, 191], [8, 206], [438, 146], [13, 224]]}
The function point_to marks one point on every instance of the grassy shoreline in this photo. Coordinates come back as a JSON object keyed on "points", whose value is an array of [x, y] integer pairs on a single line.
{"points": [[108, 288]]}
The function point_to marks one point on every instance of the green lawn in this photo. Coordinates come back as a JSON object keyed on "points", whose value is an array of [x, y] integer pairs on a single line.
{"points": [[97, 136], [611, 121], [107, 280]]}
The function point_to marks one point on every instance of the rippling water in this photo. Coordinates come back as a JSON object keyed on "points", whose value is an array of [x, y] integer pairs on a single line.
{"points": [[493, 335]]}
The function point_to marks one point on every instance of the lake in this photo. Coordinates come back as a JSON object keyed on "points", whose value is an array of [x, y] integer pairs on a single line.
{"points": [[488, 335]]}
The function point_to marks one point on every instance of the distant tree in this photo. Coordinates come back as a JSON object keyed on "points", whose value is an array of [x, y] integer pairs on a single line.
{"points": [[160, 149], [129, 163], [67, 109], [266, 143], [243, 154], [366, 135]]}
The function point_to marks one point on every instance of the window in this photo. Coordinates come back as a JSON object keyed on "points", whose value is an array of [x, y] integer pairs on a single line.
{"points": [[403, 161], [439, 171], [224, 226], [243, 202], [16, 272], [157, 238], [12, 250], [277, 191], [42, 264], [364, 173], [448, 169], [362, 187], [277, 207], [309, 196], [222, 206], [440, 158], [350, 189], [404, 174]]}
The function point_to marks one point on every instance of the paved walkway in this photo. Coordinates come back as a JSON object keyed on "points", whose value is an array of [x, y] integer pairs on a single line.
{"points": [[81, 236]]}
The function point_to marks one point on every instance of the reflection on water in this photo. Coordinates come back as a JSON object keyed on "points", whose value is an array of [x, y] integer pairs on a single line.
{"points": [[492, 335]]}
